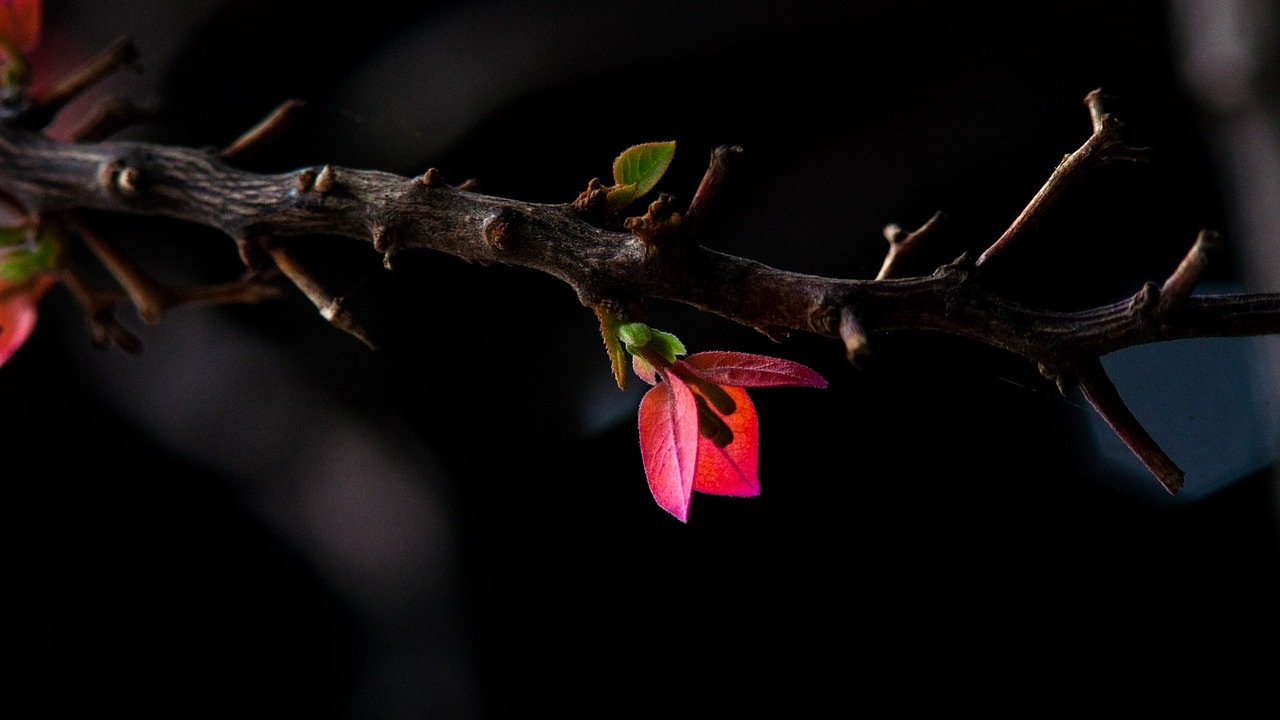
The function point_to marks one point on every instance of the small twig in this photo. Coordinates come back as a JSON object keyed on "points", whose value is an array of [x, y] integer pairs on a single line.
{"points": [[709, 188], [903, 245], [151, 298], [109, 117], [147, 295], [99, 311], [1103, 146], [268, 129], [330, 307], [857, 348], [1103, 396], [43, 109], [1180, 284]]}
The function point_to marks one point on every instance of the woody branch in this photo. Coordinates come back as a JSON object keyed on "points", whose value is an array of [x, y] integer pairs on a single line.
{"points": [[398, 214]]}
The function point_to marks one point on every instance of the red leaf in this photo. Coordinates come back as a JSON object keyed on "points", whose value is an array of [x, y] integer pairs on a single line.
{"points": [[746, 370], [18, 315], [733, 469], [20, 23], [644, 370], [669, 444]]}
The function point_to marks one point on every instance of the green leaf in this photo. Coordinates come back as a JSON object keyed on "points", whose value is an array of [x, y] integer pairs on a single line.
{"points": [[667, 345], [19, 264], [637, 170], [609, 324], [635, 335]]}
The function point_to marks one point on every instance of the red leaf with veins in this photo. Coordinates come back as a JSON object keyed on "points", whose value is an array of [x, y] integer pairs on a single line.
{"points": [[669, 443], [746, 370]]}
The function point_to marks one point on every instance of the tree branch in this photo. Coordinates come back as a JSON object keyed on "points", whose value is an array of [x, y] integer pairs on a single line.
{"points": [[398, 214]]}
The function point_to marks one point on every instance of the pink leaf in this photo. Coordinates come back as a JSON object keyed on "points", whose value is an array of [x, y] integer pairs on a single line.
{"points": [[746, 370], [644, 370], [733, 469], [669, 444], [17, 320]]}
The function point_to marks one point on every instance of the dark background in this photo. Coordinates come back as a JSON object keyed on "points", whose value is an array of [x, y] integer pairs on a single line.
{"points": [[260, 515]]}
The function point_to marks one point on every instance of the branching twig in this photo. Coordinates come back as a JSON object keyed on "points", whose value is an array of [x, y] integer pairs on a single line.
{"points": [[903, 246], [1102, 147], [151, 298], [1178, 287]]}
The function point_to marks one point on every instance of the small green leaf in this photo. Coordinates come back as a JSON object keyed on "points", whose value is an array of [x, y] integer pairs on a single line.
{"points": [[635, 335], [667, 345], [637, 170]]}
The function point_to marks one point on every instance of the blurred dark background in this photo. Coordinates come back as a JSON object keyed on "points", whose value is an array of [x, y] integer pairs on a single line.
{"points": [[258, 515]]}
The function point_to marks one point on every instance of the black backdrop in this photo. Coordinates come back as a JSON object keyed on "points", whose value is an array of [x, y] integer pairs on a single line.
{"points": [[260, 514]]}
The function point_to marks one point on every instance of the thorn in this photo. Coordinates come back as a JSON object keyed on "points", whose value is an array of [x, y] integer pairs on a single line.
{"points": [[324, 181], [305, 180], [107, 172], [128, 181]]}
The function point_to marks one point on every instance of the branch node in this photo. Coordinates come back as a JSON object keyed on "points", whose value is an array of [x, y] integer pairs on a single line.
{"points": [[857, 348], [430, 178], [500, 228], [1143, 304], [115, 176], [1063, 380], [659, 225], [592, 204], [1182, 282], [384, 242]]}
